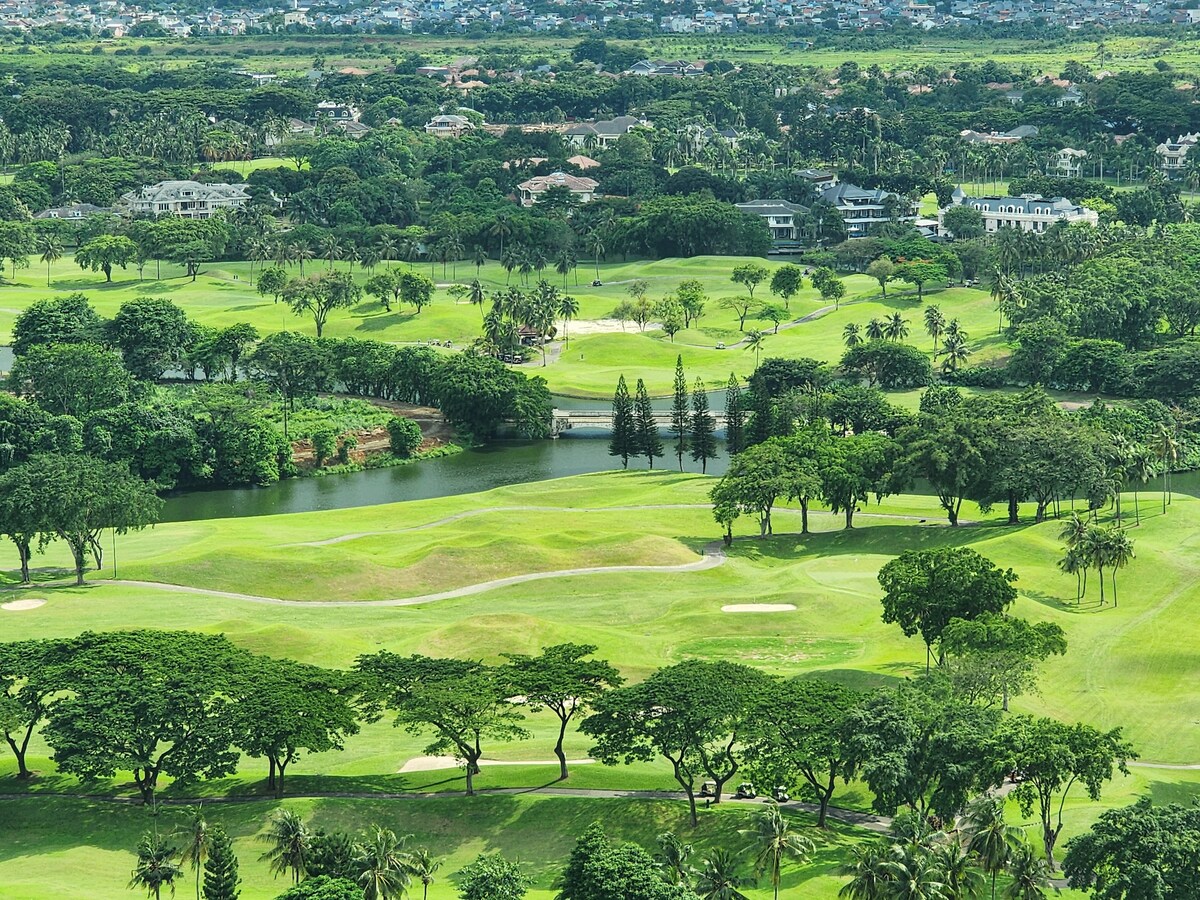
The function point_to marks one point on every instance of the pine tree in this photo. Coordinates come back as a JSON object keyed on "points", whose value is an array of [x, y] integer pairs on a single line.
{"points": [[221, 869], [735, 417], [646, 438], [704, 444], [762, 419], [679, 412], [623, 442]]}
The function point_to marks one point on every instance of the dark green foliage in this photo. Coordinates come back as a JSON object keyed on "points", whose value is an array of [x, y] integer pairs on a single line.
{"points": [[477, 394], [702, 427], [624, 441], [323, 887], [404, 435], [221, 878], [891, 365], [645, 429]]}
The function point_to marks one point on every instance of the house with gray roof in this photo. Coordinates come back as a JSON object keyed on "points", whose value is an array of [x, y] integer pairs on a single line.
{"points": [[862, 209], [780, 216], [1029, 212], [187, 199], [603, 134], [74, 212]]}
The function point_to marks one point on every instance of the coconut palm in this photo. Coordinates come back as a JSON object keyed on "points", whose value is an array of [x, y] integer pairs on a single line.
{"points": [[954, 352], [1167, 450], [501, 228], [1095, 549], [1073, 563], [870, 878], [1141, 470], [961, 876], [1030, 875], [719, 879], [51, 248], [989, 838], [156, 867], [875, 330], [775, 842], [672, 860], [914, 874], [755, 341], [330, 248], [895, 328], [850, 335], [568, 309], [384, 868], [476, 295], [422, 865], [1077, 560], [1120, 553], [935, 324], [290, 842], [194, 833]]}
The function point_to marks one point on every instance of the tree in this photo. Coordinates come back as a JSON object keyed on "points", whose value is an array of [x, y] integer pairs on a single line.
{"points": [[404, 436], [989, 838], [101, 253], [1051, 758], [568, 309], [198, 839], [295, 365], [749, 276], [28, 683], [478, 393], [920, 273], [152, 703], [383, 865], [854, 467], [888, 364], [775, 841], [702, 428], [645, 426], [850, 335], [935, 324], [323, 887], [156, 867], [71, 379], [786, 282], [882, 270], [286, 708], [757, 477], [692, 714], [319, 295], [624, 440], [151, 333], [386, 287], [492, 877], [68, 319], [953, 455], [423, 867], [51, 248], [995, 657], [800, 734], [272, 281], [741, 306], [221, 878], [76, 498], [679, 412], [719, 878], [416, 290], [562, 680], [735, 417], [1166, 448], [459, 703], [964, 223], [832, 289], [233, 342], [289, 843], [1144, 850], [755, 341], [598, 869], [691, 296], [925, 589]]}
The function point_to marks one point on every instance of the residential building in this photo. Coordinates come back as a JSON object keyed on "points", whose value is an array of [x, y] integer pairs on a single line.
{"points": [[780, 215], [583, 162], [1029, 212], [602, 134], [1072, 96], [999, 137], [449, 126], [188, 199], [582, 187], [863, 209], [819, 178], [1068, 163], [75, 212], [339, 112], [1173, 154]]}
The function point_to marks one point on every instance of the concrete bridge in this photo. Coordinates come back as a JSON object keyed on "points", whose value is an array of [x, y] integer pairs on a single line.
{"points": [[566, 419]]}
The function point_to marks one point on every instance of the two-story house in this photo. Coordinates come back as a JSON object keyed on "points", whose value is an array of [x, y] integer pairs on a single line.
{"points": [[582, 187], [187, 199], [603, 134], [863, 209], [1173, 154], [780, 215], [1068, 163], [449, 125], [1030, 212]]}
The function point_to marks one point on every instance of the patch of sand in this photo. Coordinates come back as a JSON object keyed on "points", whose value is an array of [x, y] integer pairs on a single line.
{"points": [[435, 763], [606, 326], [758, 607], [22, 605]]}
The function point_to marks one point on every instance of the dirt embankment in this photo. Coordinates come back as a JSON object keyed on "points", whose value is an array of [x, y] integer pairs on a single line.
{"points": [[435, 432]]}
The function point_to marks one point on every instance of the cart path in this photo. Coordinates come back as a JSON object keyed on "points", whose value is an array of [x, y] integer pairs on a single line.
{"points": [[869, 821]]}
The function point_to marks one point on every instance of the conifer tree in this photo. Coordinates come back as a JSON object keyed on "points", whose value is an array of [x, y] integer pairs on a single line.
{"points": [[679, 412], [623, 443], [646, 438], [735, 417], [221, 868], [704, 444]]}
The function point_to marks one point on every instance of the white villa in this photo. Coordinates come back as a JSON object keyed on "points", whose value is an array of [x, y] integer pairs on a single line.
{"points": [[1173, 154], [583, 188], [1030, 212], [188, 199], [780, 216]]}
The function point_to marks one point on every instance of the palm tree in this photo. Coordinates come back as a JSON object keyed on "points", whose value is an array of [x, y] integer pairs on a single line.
{"points": [[673, 856], [1141, 470], [719, 880], [915, 875], [955, 351], [959, 873], [51, 248], [384, 868], [896, 327], [1030, 875], [1073, 563], [935, 324], [1094, 548], [290, 842], [870, 878], [1167, 449], [501, 228], [1120, 552], [568, 309], [850, 335], [331, 248], [156, 867], [476, 295], [387, 249], [989, 838], [755, 341], [874, 330], [596, 243], [1074, 535], [478, 258], [195, 834], [775, 843], [422, 865]]}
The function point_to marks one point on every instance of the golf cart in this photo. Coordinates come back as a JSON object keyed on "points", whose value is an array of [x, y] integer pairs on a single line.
{"points": [[745, 791], [708, 789], [781, 794]]}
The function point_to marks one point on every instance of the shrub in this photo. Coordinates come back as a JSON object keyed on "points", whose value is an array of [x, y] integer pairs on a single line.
{"points": [[405, 436]]}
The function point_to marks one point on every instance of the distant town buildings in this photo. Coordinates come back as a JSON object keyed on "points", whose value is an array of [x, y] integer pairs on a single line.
{"points": [[1029, 212], [187, 199]]}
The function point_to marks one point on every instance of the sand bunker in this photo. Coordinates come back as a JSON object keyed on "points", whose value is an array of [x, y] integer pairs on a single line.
{"points": [[434, 763], [758, 607], [22, 605]]}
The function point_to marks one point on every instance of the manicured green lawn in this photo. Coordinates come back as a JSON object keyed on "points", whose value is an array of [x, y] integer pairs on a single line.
{"points": [[1127, 666]]}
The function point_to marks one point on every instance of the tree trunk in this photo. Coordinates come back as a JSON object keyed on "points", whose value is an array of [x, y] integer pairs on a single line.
{"points": [[271, 773], [804, 517], [558, 750], [77, 551], [1013, 509], [470, 780], [19, 752], [23, 552], [952, 514], [279, 781], [849, 517]]}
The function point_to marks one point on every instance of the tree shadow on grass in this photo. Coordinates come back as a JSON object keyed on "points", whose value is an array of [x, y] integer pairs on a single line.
{"points": [[883, 539], [375, 321], [1055, 602]]}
